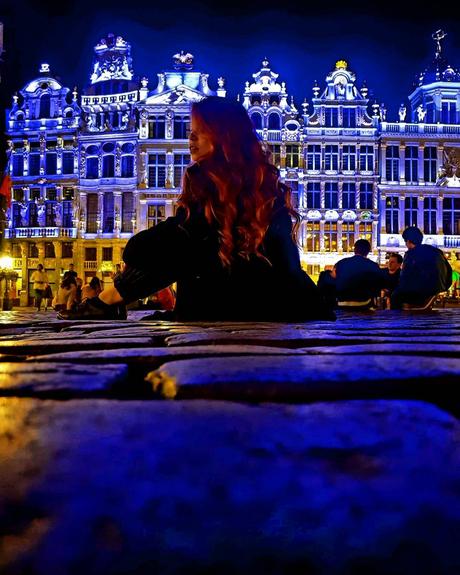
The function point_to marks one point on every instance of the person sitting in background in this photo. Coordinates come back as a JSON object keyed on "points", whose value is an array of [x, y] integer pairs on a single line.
{"points": [[425, 272], [358, 279], [91, 289], [66, 294], [391, 276]]}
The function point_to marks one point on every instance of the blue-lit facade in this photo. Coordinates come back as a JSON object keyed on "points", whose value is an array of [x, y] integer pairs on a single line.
{"points": [[90, 170]]}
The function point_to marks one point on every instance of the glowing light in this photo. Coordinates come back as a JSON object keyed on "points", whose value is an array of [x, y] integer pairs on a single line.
{"points": [[6, 263], [341, 65]]}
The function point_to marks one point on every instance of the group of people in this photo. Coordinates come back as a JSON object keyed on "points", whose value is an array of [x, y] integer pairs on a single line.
{"points": [[231, 246], [70, 293], [412, 282]]}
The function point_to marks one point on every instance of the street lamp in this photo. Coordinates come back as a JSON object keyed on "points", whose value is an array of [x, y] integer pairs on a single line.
{"points": [[8, 274]]}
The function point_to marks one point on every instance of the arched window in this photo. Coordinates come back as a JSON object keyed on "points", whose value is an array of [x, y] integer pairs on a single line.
{"points": [[274, 122], [257, 120], [127, 166], [45, 106], [92, 168], [108, 166]]}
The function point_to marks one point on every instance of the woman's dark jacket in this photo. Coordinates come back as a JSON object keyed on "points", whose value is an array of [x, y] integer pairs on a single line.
{"points": [[185, 250]]}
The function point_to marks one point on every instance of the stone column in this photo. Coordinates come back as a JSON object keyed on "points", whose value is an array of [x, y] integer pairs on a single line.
{"points": [[420, 170], [439, 223], [402, 172], [24, 297], [382, 214], [383, 161], [402, 202], [420, 213]]}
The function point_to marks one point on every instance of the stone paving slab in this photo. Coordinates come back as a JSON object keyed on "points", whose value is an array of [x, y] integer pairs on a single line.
{"points": [[104, 487], [409, 348], [53, 345], [307, 378], [158, 355], [60, 380], [286, 337]]}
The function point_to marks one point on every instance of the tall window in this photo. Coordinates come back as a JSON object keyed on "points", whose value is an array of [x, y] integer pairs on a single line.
{"points": [[294, 185], [331, 117], [313, 195], [274, 121], [430, 117], [392, 214], [366, 193], [181, 127], [67, 163], [349, 117], [18, 165], [365, 231], [157, 170], [312, 240], [127, 166], [410, 211], [67, 250], [349, 158], [33, 215], [157, 128], [411, 164], [392, 164], [50, 163], [366, 158], [181, 161], [16, 215], [92, 168], [34, 164], [91, 213], [127, 212], [108, 166], [49, 250], [448, 113], [451, 216], [331, 195], [107, 254], [45, 106], [330, 236], [156, 213], [109, 220], [257, 120], [292, 156], [67, 214], [349, 196], [429, 164], [50, 218], [348, 236], [314, 157], [276, 154], [331, 157], [429, 215]]}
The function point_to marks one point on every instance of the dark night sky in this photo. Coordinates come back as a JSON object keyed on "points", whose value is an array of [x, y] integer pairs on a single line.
{"points": [[386, 45]]}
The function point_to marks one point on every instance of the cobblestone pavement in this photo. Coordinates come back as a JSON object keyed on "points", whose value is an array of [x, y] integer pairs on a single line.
{"points": [[152, 447]]}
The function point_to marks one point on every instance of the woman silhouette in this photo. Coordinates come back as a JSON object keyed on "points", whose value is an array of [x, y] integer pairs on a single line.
{"points": [[230, 247]]}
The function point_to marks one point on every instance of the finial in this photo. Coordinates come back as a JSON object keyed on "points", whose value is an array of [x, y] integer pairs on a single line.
{"points": [[265, 62], [75, 94], [15, 98], [144, 81], [437, 37], [341, 65], [44, 68], [220, 82], [316, 89]]}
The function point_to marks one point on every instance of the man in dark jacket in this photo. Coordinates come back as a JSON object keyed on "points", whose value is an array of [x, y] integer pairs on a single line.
{"points": [[358, 279], [425, 272]]}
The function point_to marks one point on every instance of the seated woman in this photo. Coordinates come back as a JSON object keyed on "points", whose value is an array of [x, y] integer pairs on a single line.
{"points": [[65, 297], [91, 289], [230, 247]]}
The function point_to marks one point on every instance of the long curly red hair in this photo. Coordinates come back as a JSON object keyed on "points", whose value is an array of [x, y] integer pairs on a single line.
{"points": [[236, 185]]}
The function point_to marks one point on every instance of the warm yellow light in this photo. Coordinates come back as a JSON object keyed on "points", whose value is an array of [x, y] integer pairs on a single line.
{"points": [[341, 65], [6, 263]]}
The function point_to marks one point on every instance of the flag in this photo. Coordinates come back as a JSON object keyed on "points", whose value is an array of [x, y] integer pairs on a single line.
{"points": [[5, 189]]}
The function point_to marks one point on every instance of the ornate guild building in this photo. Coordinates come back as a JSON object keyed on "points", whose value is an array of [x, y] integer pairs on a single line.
{"points": [[90, 171]]}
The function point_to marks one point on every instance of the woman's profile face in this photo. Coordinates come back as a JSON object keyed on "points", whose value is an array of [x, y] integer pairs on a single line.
{"points": [[199, 142]]}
